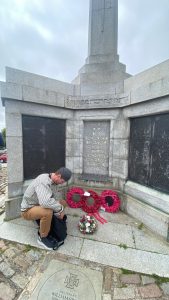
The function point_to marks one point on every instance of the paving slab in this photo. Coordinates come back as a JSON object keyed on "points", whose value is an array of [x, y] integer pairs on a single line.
{"points": [[2, 200], [6, 270], [28, 235], [150, 291], [6, 293], [131, 259], [106, 246], [67, 281], [147, 279], [118, 217], [146, 241], [106, 297], [108, 232], [165, 287], [130, 278], [23, 222], [21, 234], [74, 211], [124, 293], [1, 219]]}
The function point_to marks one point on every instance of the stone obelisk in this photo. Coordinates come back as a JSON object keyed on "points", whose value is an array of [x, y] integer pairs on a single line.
{"points": [[102, 72], [103, 28]]}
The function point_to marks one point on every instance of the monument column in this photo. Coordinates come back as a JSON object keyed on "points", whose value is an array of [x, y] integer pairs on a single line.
{"points": [[102, 72], [103, 27]]}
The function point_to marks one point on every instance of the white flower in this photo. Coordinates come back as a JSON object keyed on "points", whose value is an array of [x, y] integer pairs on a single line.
{"points": [[87, 230], [87, 224], [87, 194]]}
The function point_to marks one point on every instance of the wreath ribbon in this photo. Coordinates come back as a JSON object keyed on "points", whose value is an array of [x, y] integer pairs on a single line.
{"points": [[98, 217]]}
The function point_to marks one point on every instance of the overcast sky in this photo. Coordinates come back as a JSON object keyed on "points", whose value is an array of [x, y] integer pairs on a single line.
{"points": [[50, 37]]}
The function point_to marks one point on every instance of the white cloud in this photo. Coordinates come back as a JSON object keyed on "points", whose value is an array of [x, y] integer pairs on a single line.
{"points": [[50, 37], [143, 36]]}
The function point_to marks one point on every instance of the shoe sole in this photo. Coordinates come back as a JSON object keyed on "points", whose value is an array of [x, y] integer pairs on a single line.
{"points": [[60, 243], [43, 245]]}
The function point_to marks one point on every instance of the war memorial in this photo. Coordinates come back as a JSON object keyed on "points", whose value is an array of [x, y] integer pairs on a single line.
{"points": [[110, 128]]}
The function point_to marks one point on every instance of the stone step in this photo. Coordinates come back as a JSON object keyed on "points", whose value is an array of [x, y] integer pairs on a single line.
{"points": [[154, 219]]}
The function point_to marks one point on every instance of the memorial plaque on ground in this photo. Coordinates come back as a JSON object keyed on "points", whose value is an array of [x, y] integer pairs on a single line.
{"points": [[64, 281]]}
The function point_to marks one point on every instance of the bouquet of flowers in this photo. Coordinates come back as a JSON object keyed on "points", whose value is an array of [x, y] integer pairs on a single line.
{"points": [[87, 224]]}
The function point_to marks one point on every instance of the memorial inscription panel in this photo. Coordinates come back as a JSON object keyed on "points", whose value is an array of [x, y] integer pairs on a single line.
{"points": [[89, 102], [96, 147], [148, 154], [43, 145]]}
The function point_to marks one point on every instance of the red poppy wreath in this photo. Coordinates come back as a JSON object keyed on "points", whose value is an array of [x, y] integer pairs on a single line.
{"points": [[110, 201], [92, 203], [74, 197]]}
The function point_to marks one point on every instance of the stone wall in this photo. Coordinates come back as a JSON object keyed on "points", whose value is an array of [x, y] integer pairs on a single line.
{"points": [[97, 134]]}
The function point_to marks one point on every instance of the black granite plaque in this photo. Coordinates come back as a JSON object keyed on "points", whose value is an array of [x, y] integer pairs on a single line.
{"points": [[149, 151], [159, 159], [43, 145]]}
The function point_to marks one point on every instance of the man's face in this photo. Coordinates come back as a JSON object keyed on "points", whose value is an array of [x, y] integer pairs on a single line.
{"points": [[57, 179]]}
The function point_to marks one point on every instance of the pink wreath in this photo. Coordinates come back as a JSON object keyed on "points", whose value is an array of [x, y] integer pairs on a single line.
{"points": [[69, 197], [113, 196], [96, 205]]}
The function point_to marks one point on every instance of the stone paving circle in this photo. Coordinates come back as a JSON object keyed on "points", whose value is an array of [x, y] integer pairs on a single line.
{"points": [[66, 281]]}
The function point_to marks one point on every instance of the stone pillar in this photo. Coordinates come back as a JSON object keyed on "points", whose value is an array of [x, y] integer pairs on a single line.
{"points": [[119, 144], [103, 27], [102, 72]]}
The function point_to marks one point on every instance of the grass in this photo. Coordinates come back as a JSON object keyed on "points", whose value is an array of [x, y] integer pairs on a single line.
{"points": [[140, 227], [29, 247], [158, 279], [127, 272], [124, 285], [124, 246], [1, 251]]}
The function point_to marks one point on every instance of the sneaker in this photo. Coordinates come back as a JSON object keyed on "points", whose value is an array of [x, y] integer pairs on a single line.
{"points": [[60, 243], [47, 243], [55, 241]]}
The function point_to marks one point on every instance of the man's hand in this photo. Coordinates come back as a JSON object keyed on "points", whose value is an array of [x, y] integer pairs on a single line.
{"points": [[61, 215], [63, 202]]}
